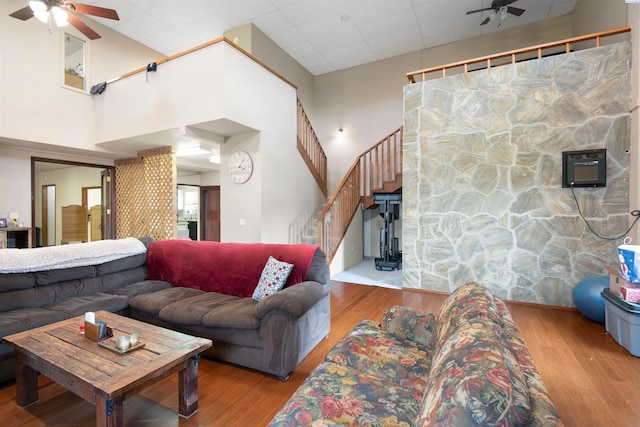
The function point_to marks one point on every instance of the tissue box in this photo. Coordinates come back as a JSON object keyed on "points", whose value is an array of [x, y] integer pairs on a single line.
{"points": [[616, 280], [630, 292]]}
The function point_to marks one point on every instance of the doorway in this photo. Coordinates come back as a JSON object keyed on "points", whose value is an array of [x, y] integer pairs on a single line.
{"points": [[62, 184]]}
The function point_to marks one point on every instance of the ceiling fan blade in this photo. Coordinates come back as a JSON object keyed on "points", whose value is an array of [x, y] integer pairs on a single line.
{"points": [[82, 27], [22, 14], [479, 10], [515, 11], [100, 12], [486, 20]]}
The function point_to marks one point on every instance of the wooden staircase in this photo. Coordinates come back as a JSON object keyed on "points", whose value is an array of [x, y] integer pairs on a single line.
{"points": [[377, 170]]}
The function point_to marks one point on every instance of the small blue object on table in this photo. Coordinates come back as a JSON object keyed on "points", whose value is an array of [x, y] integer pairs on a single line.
{"points": [[587, 296]]}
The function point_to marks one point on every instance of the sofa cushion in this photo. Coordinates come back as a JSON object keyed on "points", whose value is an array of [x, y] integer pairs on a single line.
{"points": [[15, 321], [15, 281], [154, 302], [475, 380], [141, 288], [121, 264], [226, 268], [318, 271], [48, 277], [112, 281], [237, 314], [212, 310], [77, 306], [338, 395], [369, 349], [27, 298], [469, 301], [274, 275], [410, 324]]}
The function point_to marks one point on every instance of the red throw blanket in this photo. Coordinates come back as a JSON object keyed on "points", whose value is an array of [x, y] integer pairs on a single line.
{"points": [[227, 268]]}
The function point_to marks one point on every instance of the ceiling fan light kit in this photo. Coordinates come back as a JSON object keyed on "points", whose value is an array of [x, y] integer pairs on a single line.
{"points": [[499, 8], [63, 13]]}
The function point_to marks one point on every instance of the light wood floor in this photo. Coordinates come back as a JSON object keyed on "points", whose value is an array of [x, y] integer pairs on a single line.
{"points": [[592, 380]]}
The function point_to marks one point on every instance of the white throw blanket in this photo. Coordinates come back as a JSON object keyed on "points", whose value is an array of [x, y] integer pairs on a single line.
{"points": [[56, 257]]}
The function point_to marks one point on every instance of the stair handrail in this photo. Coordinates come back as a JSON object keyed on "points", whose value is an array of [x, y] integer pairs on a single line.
{"points": [[311, 151], [368, 173], [512, 53]]}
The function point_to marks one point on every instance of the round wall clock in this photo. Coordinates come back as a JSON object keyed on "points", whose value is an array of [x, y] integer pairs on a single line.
{"points": [[240, 167]]}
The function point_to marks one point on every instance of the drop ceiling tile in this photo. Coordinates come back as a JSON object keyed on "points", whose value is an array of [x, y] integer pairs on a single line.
{"points": [[171, 39], [346, 51], [141, 26], [301, 49], [206, 26], [376, 10], [330, 41], [433, 11], [303, 11], [240, 12], [320, 27], [287, 37], [165, 12], [401, 49], [397, 38], [389, 24], [272, 22]]}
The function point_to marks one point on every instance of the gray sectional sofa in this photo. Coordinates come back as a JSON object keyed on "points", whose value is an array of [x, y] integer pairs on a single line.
{"points": [[34, 292], [272, 335]]}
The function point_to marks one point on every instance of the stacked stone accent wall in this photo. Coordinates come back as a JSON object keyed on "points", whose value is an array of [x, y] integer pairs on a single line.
{"points": [[482, 193]]}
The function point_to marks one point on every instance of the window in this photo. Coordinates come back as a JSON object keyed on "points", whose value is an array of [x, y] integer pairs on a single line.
{"points": [[74, 62]]}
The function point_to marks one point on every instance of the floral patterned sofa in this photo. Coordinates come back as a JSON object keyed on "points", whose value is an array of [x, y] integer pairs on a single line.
{"points": [[466, 365]]}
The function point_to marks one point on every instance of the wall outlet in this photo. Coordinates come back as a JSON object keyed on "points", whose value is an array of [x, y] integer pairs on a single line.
{"points": [[14, 215], [241, 221]]}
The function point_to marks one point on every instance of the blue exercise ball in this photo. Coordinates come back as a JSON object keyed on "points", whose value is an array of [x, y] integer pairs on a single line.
{"points": [[587, 296]]}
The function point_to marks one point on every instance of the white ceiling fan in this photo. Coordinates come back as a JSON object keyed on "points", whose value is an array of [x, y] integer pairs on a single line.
{"points": [[63, 12]]}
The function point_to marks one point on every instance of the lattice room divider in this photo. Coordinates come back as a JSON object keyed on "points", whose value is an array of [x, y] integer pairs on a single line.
{"points": [[146, 195]]}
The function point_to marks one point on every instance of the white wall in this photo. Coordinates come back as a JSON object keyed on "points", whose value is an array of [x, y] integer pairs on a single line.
{"points": [[220, 82], [15, 183], [254, 41], [31, 88], [240, 214]]}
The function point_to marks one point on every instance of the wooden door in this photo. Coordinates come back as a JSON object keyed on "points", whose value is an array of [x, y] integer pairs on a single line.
{"points": [[96, 222], [107, 218], [210, 213]]}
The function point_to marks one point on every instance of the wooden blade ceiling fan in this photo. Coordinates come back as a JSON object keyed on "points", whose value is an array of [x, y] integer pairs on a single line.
{"points": [[64, 12]]}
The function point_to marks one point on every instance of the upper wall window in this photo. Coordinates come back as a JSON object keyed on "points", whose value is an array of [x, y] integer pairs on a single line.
{"points": [[75, 53]]}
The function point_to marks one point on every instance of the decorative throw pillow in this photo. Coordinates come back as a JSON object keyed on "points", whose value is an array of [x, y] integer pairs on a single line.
{"points": [[274, 275]]}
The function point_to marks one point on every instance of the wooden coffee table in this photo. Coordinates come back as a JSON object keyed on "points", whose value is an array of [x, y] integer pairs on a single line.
{"points": [[100, 375]]}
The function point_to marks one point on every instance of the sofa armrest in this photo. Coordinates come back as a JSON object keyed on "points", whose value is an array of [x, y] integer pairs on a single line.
{"points": [[294, 300], [410, 324]]}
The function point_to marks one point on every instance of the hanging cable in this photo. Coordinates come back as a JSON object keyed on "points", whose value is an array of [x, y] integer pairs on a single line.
{"points": [[635, 213]]}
